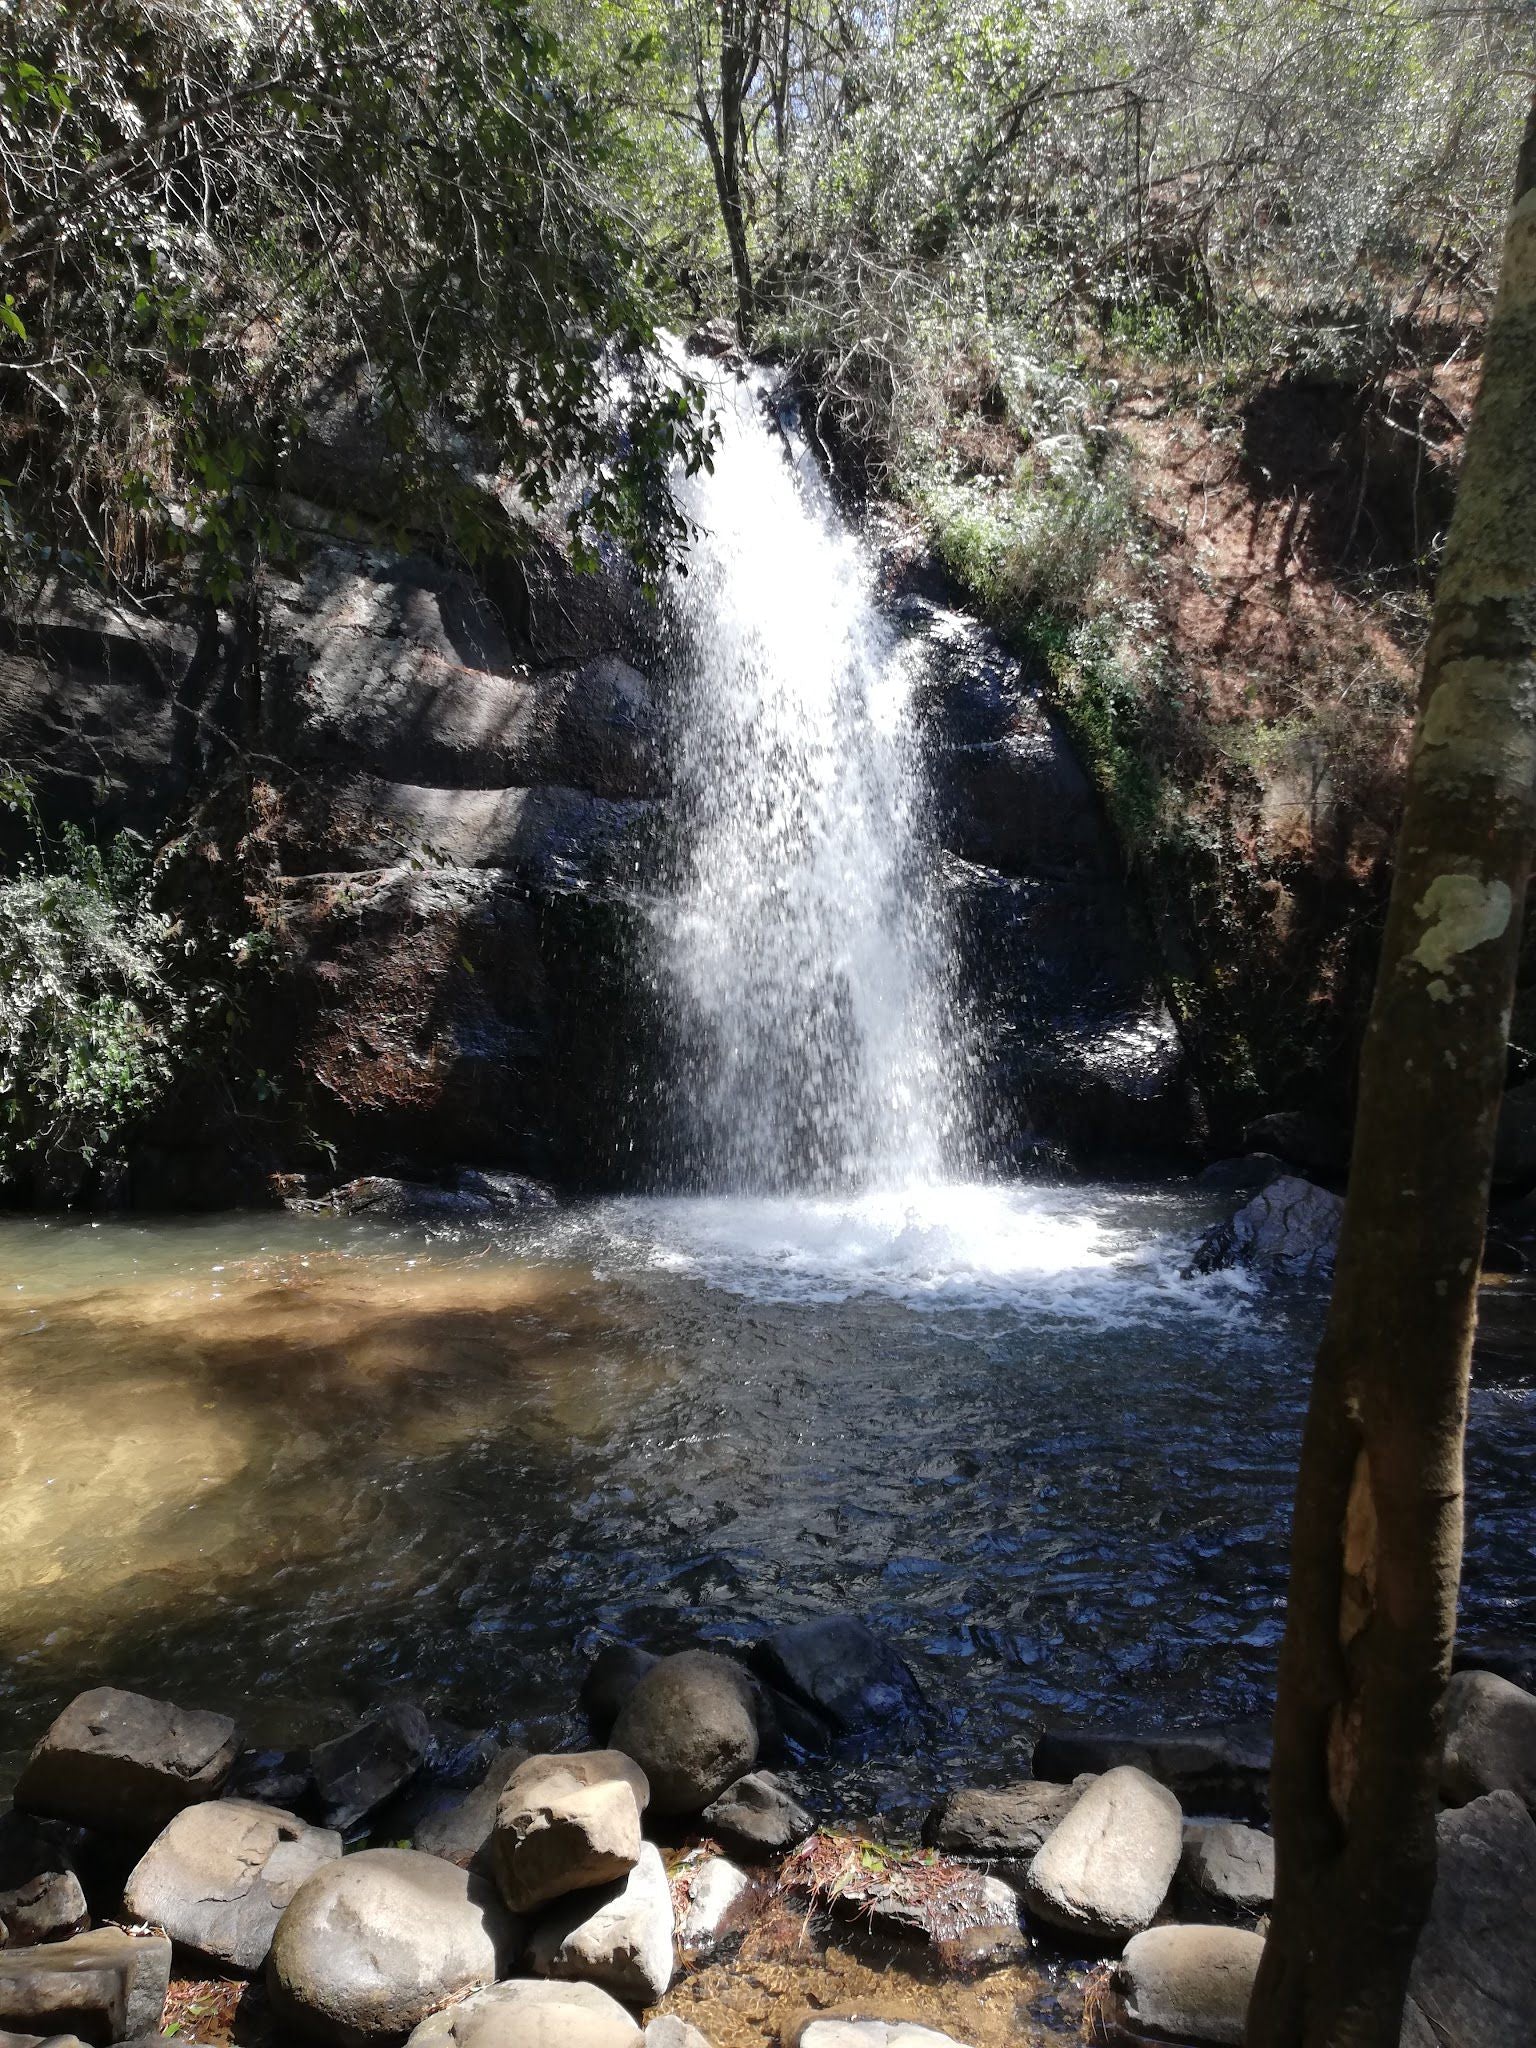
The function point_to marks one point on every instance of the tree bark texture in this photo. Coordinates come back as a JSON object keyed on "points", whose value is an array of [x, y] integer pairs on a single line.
{"points": [[1376, 1548]]}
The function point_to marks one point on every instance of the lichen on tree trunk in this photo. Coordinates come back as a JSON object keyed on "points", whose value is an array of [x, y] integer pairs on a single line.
{"points": [[1376, 1548]]}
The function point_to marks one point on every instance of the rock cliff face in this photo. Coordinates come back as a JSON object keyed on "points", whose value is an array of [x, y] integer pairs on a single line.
{"points": [[448, 791]]}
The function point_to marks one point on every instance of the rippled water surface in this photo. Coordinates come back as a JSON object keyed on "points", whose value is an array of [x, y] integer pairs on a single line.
{"points": [[284, 1465]]}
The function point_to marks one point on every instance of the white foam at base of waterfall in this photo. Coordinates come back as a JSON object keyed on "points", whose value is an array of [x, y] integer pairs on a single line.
{"points": [[1082, 1255]]}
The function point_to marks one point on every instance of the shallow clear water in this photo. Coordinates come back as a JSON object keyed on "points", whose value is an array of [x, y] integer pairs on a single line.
{"points": [[284, 1465]]}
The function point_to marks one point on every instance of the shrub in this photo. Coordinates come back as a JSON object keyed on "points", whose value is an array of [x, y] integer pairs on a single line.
{"points": [[105, 1002]]}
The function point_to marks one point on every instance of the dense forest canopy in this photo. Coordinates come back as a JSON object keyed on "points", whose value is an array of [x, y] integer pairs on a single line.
{"points": [[208, 208]]}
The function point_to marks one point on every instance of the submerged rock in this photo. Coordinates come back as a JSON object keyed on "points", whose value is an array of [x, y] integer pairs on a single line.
{"points": [[842, 1669], [1190, 1983], [690, 1724], [1490, 1739], [1104, 1872], [529, 2012], [621, 1938], [374, 1942], [1006, 1823], [757, 1816], [126, 1763], [220, 1875], [1227, 1871], [567, 1823], [105, 1986], [1473, 1983], [358, 1771], [1212, 1770]]}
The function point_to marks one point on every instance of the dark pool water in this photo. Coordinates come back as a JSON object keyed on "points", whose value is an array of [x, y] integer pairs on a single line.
{"points": [[287, 1466]]}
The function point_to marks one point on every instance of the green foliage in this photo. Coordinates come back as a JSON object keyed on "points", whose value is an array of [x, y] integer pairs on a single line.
{"points": [[209, 211], [105, 999]]}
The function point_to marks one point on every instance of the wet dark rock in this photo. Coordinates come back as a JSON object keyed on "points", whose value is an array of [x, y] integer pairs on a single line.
{"points": [[567, 1823], [1227, 1871], [1514, 1158], [1473, 1983], [1006, 1823], [1190, 1983], [277, 1777], [1104, 1871], [375, 1941], [611, 1677], [105, 1986], [842, 1670], [469, 1196], [691, 1725], [1290, 1229], [1490, 1739], [787, 1732], [31, 1846], [220, 1875], [1317, 1145], [123, 1762], [523, 2012], [461, 1831], [356, 1772], [620, 1937], [1211, 1770], [757, 1816], [1244, 1176], [49, 1907]]}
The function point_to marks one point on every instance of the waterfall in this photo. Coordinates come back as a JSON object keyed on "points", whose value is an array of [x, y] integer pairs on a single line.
{"points": [[803, 957]]}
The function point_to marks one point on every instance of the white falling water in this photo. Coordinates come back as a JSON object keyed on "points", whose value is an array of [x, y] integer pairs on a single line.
{"points": [[802, 947]]}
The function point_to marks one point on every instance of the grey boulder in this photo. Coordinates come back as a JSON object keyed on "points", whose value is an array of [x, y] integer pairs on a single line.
{"points": [[1105, 1870], [358, 1771], [528, 2012], [374, 1942], [126, 1763], [1473, 1983], [1190, 1983], [671, 2031], [836, 2032], [691, 1725], [106, 1986], [621, 1938], [1490, 1739], [1227, 1870], [757, 1816], [566, 1824], [51, 1907], [219, 1877], [1007, 1823], [1289, 1229]]}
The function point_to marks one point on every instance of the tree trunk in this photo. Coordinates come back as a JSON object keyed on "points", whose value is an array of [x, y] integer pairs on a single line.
{"points": [[725, 164], [1376, 1550]]}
